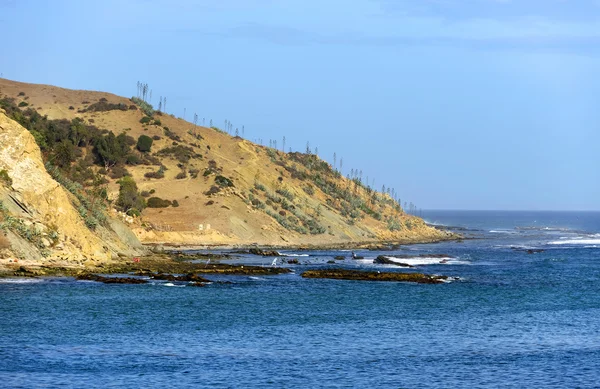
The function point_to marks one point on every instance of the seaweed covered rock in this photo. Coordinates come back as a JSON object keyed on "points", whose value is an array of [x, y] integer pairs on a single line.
{"points": [[111, 280], [357, 275]]}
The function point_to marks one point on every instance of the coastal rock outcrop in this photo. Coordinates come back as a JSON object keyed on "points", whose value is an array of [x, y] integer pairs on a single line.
{"points": [[383, 260], [357, 275], [264, 253]]}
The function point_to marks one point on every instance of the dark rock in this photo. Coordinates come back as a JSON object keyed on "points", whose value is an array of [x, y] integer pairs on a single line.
{"points": [[330, 261], [339, 257], [528, 251], [264, 253], [386, 261], [344, 274], [111, 280], [293, 261], [186, 278]]}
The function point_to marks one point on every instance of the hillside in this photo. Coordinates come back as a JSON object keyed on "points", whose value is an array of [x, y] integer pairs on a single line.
{"points": [[38, 217], [202, 185]]}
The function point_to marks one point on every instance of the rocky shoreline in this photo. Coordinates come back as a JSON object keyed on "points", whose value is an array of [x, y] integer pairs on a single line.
{"points": [[371, 245]]}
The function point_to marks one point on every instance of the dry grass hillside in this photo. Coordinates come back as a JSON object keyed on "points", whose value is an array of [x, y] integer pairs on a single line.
{"points": [[221, 189]]}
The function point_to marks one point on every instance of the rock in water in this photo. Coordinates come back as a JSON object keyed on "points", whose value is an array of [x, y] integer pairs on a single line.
{"points": [[386, 261], [344, 274], [264, 253], [111, 280]]}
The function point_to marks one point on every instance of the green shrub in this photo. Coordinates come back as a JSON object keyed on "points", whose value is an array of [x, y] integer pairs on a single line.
{"points": [[118, 172], [144, 106], [181, 175], [157, 202], [223, 182], [393, 224], [23, 104], [146, 120], [129, 197], [179, 152], [175, 204], [134, 212], [213, 190], [4, 177], [104, 105], [144, 143], [285, 193], [160, 173]]}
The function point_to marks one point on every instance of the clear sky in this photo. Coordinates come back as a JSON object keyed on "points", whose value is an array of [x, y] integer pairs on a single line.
{"points": [[458, 104]]}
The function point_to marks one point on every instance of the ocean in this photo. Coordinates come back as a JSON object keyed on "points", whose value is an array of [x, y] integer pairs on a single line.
{"points": [[522, 310]]}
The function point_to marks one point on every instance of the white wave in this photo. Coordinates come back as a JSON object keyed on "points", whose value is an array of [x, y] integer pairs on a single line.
{"points": [[293, 255], [172, 284], [20, 280], [576, 242], [502, 232], [256, 278], [420, 261]]}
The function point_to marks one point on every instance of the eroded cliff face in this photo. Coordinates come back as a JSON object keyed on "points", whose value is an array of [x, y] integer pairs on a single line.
{"points": [[39, 216]]}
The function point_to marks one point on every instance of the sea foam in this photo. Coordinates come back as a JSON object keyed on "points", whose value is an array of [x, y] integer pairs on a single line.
{"points": [[420, 261]]}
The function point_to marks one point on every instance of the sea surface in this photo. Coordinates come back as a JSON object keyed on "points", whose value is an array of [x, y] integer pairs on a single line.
{"points": [[522, 310]]}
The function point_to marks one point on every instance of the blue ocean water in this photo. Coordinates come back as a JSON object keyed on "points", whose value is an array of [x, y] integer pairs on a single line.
{"points": [[512, 318]]}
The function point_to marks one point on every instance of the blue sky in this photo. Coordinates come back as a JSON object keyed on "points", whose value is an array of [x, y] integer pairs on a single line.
{"points": [[457, 104]]}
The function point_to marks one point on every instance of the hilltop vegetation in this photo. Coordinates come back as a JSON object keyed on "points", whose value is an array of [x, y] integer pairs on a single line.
{"points": [[191, 184]]}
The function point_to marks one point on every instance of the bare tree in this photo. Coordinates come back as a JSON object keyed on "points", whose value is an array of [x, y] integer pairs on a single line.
{"points": [[283, 146], [334, 161]]}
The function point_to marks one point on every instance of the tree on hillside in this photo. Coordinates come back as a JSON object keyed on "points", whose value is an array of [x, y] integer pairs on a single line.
{"points": [[111, 149], [129, 198], [144, 143], [64, 154]]}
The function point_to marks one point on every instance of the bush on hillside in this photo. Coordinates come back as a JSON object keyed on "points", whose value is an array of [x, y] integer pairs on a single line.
{"points": [[103, 105], [144, 143], [129, 197], [157, 202], [4, 177], [223, 182]]}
